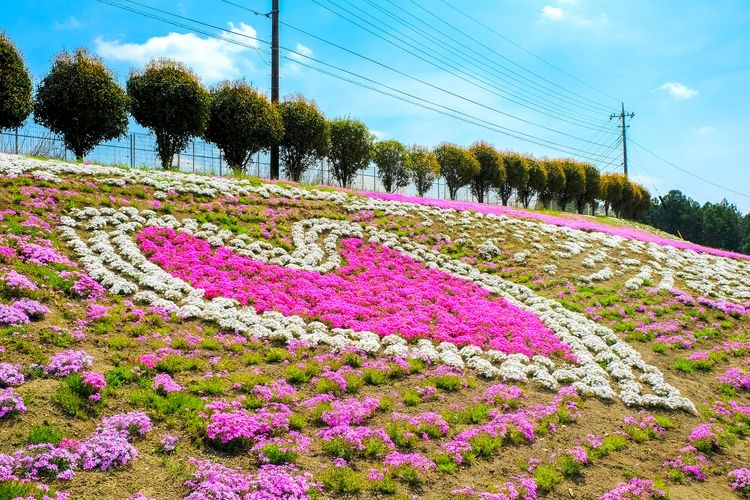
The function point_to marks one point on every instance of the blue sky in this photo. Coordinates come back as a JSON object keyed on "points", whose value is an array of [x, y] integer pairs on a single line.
{"points": [[550, 70]]}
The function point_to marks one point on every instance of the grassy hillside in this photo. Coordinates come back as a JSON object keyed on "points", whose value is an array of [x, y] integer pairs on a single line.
{"points": [[165, 335]]}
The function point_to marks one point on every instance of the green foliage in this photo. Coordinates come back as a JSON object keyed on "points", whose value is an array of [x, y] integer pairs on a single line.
{"points": [[15, 86], [277, 456], [592, 189], [242, 122], [307, 136], [536, 183], [491, 170], [170, 100], [446, 463], [424, 168], [555, 181], [575, 182], [457, 166], [394, 163], [517, 175], [45, 433], [351, 145], [411, 398], [341, 480], [547, 477], [80, 100], [372, 376], [277, 355], [611, 186], [449, 383]]}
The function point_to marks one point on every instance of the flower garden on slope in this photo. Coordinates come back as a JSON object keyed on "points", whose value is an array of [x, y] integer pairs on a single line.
{"points": [[171, 336]]}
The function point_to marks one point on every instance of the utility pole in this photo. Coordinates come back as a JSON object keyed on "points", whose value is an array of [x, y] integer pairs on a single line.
{"points": [[624, 127], [275, 79]]}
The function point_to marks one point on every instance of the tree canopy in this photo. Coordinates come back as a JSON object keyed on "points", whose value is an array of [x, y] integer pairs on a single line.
{"points": [[393, 162], [491, 169], [351, 145], [457, 166], [15, 86], [307, 137], [424, 168], [80, 100]]}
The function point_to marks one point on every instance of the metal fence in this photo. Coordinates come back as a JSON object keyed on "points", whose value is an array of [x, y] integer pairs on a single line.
{"points": [[138, 150]]}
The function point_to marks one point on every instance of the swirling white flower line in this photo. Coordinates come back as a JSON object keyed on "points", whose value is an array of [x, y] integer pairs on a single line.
{"points": [[104, 241]]}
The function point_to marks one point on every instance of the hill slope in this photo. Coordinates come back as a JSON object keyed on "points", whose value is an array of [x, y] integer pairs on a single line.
{"points": [[195, 335]]}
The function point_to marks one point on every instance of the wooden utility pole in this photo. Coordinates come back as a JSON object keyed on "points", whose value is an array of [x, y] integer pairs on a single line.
{"points": [[275, 79], [624, 127]]}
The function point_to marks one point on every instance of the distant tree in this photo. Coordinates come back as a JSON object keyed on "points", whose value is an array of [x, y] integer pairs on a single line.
{"points": [[457, 166], [555, 181], [575, 182], [721, 225], [351, 145], [516, 175], [80, 100], [307, 137], [15, 86], [242, 122], [424, 168], [679, 215], [491, 169], [592, 189], [745, 234], [394, 164], [611, 190], [536, 183], [169, 99]]}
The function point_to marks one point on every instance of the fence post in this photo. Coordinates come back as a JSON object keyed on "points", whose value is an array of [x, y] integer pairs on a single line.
{"points": [[16, 140], [193, 155], [220, 163], [132, 150]]}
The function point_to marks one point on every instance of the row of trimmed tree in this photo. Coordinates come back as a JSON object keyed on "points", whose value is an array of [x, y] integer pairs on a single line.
{"points": [[81, 101]]}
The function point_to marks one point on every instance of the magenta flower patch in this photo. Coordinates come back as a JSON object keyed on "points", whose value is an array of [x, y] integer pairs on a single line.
{"points": [[379, 289]]}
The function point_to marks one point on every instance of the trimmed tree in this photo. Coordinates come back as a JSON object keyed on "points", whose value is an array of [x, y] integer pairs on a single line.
{"points": [[393, 162], [491, 169], [555, 181], [307, 137], [611, 191], [457, 166], [536, 182], [424, 168], [242, 122], [351, 145], [80, 100], [516, 175], [592, 189], [575, 182], [15, 86], [169, 99]]}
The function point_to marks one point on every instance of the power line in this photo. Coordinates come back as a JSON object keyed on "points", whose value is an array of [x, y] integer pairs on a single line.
{"points": [[431, 85], [707, 181], [470, 119], [533, 103], [552, 65]]}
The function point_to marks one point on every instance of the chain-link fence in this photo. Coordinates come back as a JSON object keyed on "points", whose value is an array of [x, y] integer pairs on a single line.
{"points": [[138, 150]]}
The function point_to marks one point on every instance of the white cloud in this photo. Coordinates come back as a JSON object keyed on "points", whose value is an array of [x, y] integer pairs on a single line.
{"points": [[301, 52], [704, 130], [213, 59], [678, 90], [70, 24], [553, 13]]}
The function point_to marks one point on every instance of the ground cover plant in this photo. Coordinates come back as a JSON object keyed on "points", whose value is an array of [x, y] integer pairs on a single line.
{"points": [[165, 335]]}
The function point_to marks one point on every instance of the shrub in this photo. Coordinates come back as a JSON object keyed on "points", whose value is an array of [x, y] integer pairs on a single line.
{"points": [[393, 162], [80, 100], [547, 477], [342, 480], [516, 175], [536, 183], [457, 166], [170, 100], [45, 433], [424, 168], [351, 143], [15, 86], [306, 138], [242, 122], [491, 170]]}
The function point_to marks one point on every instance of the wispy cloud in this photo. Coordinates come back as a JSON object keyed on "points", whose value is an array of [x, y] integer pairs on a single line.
{"points": [[301, 52], [704, 130], [553, 13], [678, 90], [69, 24], [572, 12], [213, 59]]}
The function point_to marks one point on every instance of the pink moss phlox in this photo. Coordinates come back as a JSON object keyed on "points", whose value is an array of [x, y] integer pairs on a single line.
{"points": [[635, 489], [379, 290], [349, 411], [11, 403], [64, 363], [164, 383], [568, 220]]}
